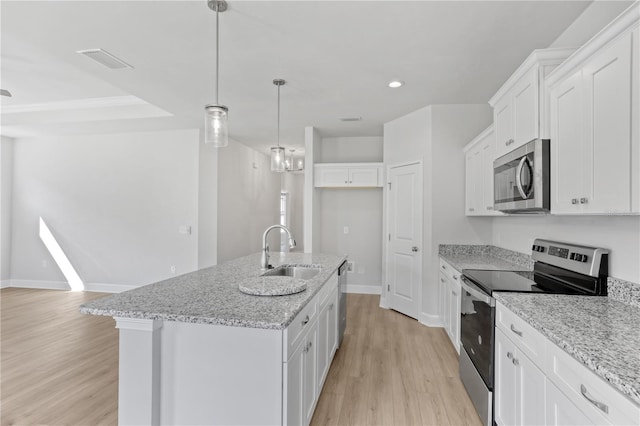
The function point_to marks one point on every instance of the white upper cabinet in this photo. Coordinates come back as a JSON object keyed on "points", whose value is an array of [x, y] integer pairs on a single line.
{"points": [[595, 153], [518, 115], [344, 175], [479, 156]]}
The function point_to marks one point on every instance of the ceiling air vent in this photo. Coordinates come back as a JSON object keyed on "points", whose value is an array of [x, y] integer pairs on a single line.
{"points": [[105, 58], [351, 119]]}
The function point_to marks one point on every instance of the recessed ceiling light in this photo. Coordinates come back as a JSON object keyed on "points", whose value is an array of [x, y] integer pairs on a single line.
{"points": [[105, 58], [396, 83]]}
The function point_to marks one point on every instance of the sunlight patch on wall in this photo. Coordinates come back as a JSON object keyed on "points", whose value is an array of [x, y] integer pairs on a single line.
{"points": [[60, 258]]}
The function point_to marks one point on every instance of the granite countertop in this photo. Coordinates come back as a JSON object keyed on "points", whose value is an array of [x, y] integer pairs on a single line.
{"points": [[599, 332], [211, 295], [484, 257]]}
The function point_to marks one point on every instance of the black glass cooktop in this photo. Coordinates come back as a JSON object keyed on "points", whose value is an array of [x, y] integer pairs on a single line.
{"points": [[490, 281]]}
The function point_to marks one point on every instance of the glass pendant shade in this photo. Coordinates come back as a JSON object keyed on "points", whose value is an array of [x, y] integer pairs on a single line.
{"points": [[216, 125], [277, 159]]}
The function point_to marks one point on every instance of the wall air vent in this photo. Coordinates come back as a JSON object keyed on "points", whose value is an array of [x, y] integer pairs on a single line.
{"points": [[351, 119], [105, 58]]}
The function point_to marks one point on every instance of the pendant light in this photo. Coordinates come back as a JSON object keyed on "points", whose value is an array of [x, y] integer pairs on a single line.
{"points": [[216, 125], [277, 152]]}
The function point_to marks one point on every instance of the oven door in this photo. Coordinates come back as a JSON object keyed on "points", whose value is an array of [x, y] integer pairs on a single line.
{"points": [[477, 321]]}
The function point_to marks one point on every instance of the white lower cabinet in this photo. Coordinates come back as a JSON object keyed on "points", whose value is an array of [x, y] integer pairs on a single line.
{"points": [[519, 386], [450, 299], [551, 387], [301, 379], [327, 335]]}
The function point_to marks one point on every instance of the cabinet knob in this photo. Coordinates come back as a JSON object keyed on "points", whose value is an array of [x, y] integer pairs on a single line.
{"points": [[584, 200], [509, 355], [306, 320], [454, 293], [346, 181], [574, 201], [331, 307], [515, 362], [414, 249], [471, 209], [455, 277], [443, 267], [489, 207]]}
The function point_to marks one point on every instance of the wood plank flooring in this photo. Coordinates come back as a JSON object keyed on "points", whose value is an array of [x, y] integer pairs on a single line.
{"points": [[391, 370], [59, 367]]}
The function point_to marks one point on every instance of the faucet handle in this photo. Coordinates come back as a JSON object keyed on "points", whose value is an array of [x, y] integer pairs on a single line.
{"points": [[292, 243]]}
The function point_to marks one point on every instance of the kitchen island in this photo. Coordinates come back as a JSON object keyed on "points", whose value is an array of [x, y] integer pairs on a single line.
{"points": [[194, 349]]}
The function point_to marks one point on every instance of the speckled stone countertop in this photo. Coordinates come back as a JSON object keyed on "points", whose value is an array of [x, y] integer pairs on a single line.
{"points": [[211, 295], [599, 332], [484, 257]]}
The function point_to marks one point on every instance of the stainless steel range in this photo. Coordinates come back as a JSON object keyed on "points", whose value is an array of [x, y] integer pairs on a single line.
{"points": [[559, 268]]}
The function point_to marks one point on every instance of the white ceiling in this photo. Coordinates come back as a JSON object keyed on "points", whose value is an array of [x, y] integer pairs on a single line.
{"points": [[336, 56]]}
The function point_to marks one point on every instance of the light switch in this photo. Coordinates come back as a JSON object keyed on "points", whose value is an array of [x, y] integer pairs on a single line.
{"points": [[346, 229], [185, 229]]}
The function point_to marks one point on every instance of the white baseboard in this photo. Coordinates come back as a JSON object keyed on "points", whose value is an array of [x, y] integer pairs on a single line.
{"points": [[40, 284], [431, 320], [383, 302], [108, 288], [62, 285], [5, 284], [364, 289]]}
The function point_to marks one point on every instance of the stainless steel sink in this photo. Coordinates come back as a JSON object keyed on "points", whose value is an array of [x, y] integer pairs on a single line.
{"points": [[301, 272]]}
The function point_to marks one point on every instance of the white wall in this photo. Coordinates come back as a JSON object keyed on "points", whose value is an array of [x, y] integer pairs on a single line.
{"points": [[619, 234], [207, 205], [311, 201], [594, 18], [436, 136], [351, 149], [114, 203], [293, 184], [248, 201], [358, 209], [6, 172]]}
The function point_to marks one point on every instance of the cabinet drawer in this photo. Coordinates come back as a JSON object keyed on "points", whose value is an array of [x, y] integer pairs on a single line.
{"points": [[298, 327], [449, 271], [524, 336], [592, 395]]}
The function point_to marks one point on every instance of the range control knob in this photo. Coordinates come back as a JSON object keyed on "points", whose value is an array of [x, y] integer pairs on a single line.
{"points": [[572, 256], [584, 258]]}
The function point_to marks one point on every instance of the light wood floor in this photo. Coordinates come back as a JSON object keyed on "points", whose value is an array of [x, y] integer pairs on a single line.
{"points": [[59, 367], [391, 370]]}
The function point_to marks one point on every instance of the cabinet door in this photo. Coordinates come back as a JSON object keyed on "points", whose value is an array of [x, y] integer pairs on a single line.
{"points": [[332, 334], [454, 322], [323, 344], [502, 126], [608, 133], [560, 411], [566, 145], [364, 176], [473, 182], [525, 109], [332, 176], [445, 306], [504, 381], [531, 391], [294, 368], [486, 175], [309, 372]]}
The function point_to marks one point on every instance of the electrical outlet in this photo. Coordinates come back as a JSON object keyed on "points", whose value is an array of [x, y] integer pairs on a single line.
{"points": [[346, 229], [350, 265], [173, 269]]}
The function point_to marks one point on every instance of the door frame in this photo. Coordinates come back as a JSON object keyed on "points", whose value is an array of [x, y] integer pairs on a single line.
{"points": [[384, 301]]}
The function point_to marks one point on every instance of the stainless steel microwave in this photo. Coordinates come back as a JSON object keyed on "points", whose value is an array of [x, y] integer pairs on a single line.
{"points": [[521, 179]]}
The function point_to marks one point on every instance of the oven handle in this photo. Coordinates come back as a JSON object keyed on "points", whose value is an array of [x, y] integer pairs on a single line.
{"points": [[477, 293]]}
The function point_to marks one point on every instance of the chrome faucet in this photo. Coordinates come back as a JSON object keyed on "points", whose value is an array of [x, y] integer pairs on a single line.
{"points": [[264, 261]]}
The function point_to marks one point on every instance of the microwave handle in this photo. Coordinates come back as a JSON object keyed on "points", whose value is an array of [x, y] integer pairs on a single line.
{"points": [[518, 181]]}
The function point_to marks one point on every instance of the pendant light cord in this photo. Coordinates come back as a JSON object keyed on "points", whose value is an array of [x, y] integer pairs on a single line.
{"points": [[278, 116], [217, 51]]}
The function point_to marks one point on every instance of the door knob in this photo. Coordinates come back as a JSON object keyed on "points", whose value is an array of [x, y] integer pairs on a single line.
{"points": [[414, 249]]}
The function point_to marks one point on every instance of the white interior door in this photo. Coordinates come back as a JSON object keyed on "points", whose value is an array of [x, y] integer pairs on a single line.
{"points": [[404, 251]]}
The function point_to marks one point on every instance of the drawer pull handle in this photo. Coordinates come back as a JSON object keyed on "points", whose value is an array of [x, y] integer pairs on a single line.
{"points": [[444, 267], [515, 362], [509, 355], [455, 277], [306, 320], [600, 405], [519, 333]]}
